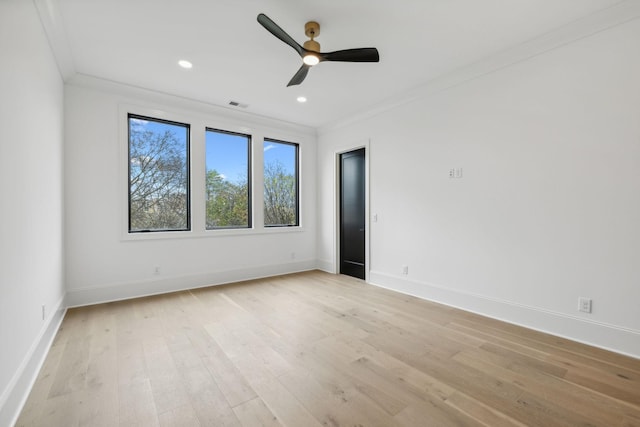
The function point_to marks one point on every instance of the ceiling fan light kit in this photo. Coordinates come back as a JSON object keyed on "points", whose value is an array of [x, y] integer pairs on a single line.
{"points": [[310, 50]]}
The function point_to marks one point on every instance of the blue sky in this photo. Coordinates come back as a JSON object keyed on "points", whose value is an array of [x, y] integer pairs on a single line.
{"points": [[160, 128], [285, 153], [227, 153]]}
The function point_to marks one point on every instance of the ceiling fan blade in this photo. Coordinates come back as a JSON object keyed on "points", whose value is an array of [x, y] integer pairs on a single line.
{"points": [[299, 76], [365, 54], [274, 29]]}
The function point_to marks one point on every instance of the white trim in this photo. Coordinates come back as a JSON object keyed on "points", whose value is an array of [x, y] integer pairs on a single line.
{"points": [[15, 395], [222, 232], [326, 266], [613, 16], [142, 288], [242, 121], [609, 337], [198, 122], [51, 21], [123, 131], [581, 329]]}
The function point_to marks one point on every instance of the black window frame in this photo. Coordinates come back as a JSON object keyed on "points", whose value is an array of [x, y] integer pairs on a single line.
{"points": [[249, 181], [297, 182], [187, 127]]}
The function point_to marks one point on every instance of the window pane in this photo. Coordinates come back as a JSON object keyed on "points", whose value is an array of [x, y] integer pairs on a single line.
{"points": [[280, 184], [228, 190], [158, 175]]}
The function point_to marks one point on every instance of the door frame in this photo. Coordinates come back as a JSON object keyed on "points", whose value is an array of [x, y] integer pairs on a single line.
{"points": [[336, 221]]}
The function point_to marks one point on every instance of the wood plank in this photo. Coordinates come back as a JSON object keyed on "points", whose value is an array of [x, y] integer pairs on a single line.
{"points": [[31, 413], [255, 413], [136, 404], [207, 402], [182, 416], [314, 349]]}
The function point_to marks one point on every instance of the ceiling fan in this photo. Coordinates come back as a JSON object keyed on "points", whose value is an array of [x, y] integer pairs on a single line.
{"points": [[310, 50]]}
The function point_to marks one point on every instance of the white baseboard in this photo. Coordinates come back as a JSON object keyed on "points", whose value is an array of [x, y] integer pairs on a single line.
{"points": [[15, 395], [609, 337], [326, 266], [122, 291]]}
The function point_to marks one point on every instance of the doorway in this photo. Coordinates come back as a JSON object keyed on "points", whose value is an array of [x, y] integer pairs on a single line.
{"points": [[352, 213]]}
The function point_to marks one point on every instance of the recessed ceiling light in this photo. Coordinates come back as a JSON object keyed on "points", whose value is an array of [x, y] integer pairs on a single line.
{"points": [[301, 99], [185, 64]]}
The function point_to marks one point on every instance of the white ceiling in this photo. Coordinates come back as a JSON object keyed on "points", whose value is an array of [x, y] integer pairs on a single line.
{"points": [[138, 42]]}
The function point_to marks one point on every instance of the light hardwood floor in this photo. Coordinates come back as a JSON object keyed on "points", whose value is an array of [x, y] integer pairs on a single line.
{"points": [[314, 349]]}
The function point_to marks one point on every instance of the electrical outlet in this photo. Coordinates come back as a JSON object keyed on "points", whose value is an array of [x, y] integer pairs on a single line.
{"points": [[405, 270], [293, 255], [156, 270], [584, 305], [44, 311], [455, 173]]}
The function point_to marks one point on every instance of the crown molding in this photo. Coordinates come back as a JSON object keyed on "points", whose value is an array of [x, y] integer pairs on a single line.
{"points": [[135, 95], [53, 26], [618, 14]]}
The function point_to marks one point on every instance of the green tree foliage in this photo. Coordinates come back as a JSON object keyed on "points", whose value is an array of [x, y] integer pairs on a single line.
{"points": [[157, 180], [158, 188], [279, 195], [227, 202]]}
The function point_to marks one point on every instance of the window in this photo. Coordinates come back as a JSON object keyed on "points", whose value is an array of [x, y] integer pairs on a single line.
{"points": [[280, 184], [158, 175], [228, 192]]}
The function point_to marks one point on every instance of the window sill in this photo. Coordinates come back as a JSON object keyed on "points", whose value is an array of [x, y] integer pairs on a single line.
{"points": [[208, 234]]}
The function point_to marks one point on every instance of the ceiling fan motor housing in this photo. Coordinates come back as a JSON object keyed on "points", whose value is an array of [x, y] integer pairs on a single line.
{"points": [[312, 30], [312, 45]]}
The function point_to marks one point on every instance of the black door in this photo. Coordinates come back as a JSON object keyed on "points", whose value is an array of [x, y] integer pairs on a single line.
{"points": [[352, 213]]}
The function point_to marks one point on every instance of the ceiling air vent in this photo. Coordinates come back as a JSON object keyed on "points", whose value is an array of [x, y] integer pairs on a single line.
{"points": [[238, 104]]}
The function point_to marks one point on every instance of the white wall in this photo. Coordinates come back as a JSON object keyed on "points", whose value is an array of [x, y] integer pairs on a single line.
{"points": [[103, 263], [31, 213], [548, 207]]}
